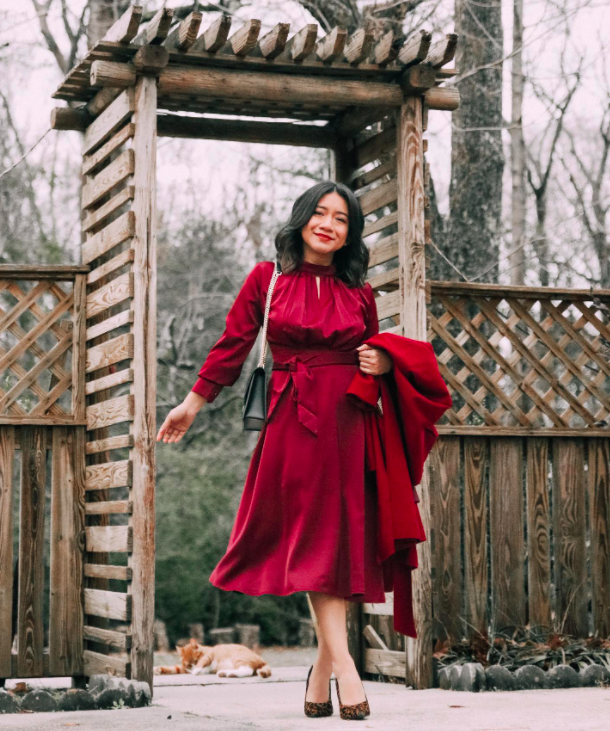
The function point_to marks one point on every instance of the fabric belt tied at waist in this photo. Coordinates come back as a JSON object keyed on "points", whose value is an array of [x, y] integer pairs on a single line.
{"points": [[304, 392]]}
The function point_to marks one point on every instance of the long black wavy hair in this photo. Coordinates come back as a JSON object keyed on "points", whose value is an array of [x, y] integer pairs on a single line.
{"points": [[351, 261]]}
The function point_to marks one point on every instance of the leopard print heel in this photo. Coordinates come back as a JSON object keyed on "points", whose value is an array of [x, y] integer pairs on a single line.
{"points": [[356, 712], [316, 710]]}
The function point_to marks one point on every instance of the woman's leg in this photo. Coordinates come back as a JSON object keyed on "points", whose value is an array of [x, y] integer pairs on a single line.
{"points": [[333, 654]]}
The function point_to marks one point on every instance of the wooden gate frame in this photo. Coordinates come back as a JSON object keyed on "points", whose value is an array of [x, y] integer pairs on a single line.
{"points": [[373, 95]]}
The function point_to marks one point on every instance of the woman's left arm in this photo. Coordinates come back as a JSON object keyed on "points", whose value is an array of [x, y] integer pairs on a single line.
{"points": [[374, 361]]}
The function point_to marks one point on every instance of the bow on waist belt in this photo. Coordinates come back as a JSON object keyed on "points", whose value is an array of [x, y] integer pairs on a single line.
{"points": [[304, 392]]}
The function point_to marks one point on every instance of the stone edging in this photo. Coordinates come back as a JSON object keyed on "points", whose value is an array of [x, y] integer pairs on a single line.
{"points": [[103, 692], [472, 676]]}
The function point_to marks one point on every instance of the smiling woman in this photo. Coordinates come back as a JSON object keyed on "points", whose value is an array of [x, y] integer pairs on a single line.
{"points": [[307, 517]]}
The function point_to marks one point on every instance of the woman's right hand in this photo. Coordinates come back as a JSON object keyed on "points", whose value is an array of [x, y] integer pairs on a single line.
{"points": [[177, 422]]}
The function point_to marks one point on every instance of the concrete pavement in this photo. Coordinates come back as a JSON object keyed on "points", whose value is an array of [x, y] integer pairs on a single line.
{"points": [[209, 703]]}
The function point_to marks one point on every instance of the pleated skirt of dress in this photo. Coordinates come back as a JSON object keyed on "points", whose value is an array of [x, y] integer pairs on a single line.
{"points": [[307, 519]]}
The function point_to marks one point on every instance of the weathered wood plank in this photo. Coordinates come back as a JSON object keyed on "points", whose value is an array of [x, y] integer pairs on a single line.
{"points": [[373, 638], [15, 671], [476, 584], [110, 323], [114, 379], [234, 84], [92, 162], [109, 604], [144, 363], [108, 267], [506, 529], [388, 305], [109, 474], [79, 321], [380, 224], [106, 571], [185, 33], [66, 568], [519, 431], [447, 591], [31, 546], [40, 271], [99, 215], [112, 411], [384, 662], [109, 295], [156, 29], [108, 507], [518, 291], [383, 250], [108, 637], [7, 456], [38, 420], [111, 176], [103, 445], [95, 663], [108, 538], [569, 527], [538, 532], [125, 29], [383, 143], [599, 522], [379, 197], [112, 235], [112, 351], [109, 121], [412, 312]]}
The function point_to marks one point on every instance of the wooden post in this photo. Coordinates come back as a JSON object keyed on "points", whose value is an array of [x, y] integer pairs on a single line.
{"points": [[412, 285], [341, 169], [143, 387]]}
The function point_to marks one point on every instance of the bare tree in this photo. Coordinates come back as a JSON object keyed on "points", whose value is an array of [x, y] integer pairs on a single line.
{"points": [[74, 31], [477, 157], [588, 179], [539, 170]]}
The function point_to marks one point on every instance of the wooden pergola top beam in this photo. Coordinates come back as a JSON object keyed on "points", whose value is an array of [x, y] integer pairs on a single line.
{"points": [[360, 58]]}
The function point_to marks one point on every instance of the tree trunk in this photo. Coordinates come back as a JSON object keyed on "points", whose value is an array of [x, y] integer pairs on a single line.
{"points": [[477, 158], [516, 261]]}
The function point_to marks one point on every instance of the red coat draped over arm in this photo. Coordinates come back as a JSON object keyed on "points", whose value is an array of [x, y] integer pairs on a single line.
{"points": [[413, 398]]}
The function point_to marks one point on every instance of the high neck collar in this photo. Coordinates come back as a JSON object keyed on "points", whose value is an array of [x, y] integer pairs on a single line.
{"points": [[324, 270]]}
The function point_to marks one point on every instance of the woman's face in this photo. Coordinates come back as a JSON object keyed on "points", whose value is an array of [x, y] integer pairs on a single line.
{"points": [[326, 231]]}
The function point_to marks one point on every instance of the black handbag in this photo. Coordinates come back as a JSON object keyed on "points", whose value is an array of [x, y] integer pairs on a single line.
{"points": [[255, 400]]}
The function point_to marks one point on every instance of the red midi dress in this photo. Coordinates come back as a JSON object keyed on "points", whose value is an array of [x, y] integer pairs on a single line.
{"points": [[307, 517]]}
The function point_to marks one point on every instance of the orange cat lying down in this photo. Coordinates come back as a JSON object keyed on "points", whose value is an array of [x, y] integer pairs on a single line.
{"points": [[226, 660]]}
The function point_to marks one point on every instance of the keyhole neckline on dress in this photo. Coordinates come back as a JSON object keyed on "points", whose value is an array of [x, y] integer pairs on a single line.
{"points": [[325, 270]]}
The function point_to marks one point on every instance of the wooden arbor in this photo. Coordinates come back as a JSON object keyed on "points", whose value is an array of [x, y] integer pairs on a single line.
{"points": [[372, 98]]}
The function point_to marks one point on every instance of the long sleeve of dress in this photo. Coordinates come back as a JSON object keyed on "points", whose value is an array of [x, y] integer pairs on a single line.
{"points": [[226, 358]]}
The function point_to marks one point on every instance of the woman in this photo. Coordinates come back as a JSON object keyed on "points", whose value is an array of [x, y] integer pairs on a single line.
{"points": [[306, 521]]}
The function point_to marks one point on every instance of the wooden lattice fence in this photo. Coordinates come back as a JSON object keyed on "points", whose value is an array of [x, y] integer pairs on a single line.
{"points": [[42, 461], [523, 358], [519, 480]]}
